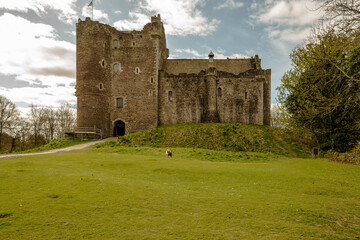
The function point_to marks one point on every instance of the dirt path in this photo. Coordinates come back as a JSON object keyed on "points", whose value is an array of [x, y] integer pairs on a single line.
{"points": [[67, 149]]}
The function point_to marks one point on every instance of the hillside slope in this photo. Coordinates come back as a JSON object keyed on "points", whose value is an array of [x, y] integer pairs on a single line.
{"points": [[217, 136]]}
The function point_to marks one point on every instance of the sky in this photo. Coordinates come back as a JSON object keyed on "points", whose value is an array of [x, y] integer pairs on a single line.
{"points": [[38, 51]]}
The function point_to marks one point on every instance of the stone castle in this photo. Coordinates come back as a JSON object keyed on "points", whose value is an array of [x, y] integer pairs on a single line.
{"points": [[126, 83]]}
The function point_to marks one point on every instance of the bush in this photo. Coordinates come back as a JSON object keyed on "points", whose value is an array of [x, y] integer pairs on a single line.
{"points": [[352, 157]]}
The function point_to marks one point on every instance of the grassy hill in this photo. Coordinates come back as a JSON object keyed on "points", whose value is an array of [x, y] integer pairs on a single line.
{"points": [[138, 193], [219, 137]]}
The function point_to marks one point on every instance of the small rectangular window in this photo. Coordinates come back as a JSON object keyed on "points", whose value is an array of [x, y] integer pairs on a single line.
{"points": [[119, 102], [115, 43], [170, 96]]}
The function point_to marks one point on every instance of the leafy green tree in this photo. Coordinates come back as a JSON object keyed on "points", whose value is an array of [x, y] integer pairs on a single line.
{"points": [[321, 92]]}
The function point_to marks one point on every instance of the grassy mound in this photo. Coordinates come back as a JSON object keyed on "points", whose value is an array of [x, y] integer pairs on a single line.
{"points": [[217, 136]]}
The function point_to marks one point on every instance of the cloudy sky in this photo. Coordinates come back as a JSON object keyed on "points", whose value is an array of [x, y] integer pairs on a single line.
{"points": [[37, 49]]}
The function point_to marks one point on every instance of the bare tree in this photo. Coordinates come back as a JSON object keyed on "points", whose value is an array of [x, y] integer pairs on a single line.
{"points": [[36, 119], [67, 119], [8, 116], [343, 14], [20, 132], [50, 123]]}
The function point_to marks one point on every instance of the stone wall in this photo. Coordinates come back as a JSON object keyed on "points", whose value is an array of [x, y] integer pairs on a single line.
{"points": [[212, 96]]}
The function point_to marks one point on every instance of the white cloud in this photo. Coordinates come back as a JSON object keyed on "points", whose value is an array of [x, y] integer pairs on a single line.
{"points": [[288, 22], [98, 14], [33, 53], [219, 54], [191, 52], [64, 7], [136, 22], [293, 35], [229, 4], [294, 13], [180, 17], [52, 96]]}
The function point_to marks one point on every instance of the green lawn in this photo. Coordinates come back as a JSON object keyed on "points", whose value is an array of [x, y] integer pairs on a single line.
{"points": [[138, 193]]}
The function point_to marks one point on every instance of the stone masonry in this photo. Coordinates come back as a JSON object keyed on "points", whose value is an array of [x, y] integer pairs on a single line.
{"points": [[126, 83]]}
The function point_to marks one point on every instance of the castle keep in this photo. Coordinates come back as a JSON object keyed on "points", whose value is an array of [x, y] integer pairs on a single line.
{"points": [[126, 83]]}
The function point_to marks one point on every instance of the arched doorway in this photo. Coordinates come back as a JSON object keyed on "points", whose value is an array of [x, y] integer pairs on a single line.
{"points": [[119, 128]]}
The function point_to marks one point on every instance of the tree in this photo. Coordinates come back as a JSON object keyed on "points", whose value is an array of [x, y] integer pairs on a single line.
{"points": [[321, 92], [9, 115], [36, 119], [342, 14], [67, 119], [50, 123]]}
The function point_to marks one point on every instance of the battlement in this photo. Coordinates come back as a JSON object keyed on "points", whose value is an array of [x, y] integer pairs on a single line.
{"points": [[156, 18]]}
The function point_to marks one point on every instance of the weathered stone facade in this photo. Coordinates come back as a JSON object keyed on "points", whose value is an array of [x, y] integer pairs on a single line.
{"points": [[126, 83]]}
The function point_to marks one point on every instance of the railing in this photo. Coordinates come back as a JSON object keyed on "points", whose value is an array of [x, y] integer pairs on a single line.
{"points": [[85, 132]]}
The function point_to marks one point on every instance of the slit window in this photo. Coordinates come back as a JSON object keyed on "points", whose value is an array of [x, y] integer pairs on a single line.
{"points": [[116, 67], [137, 70], [150, 92], [103, 63], [116, 43], [246, 95], [152, 80], [219, 92], [101, 86], [119, 102], [170, 96]]}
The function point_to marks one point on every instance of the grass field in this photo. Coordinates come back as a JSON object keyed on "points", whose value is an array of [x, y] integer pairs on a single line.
{"points": [[138, 193]]}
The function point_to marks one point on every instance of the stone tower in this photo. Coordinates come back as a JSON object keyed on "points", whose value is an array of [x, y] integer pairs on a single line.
{"points": [[117, 76]]}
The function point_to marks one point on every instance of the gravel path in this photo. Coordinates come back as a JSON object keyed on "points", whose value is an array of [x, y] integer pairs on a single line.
{"points": [[67, 149]]}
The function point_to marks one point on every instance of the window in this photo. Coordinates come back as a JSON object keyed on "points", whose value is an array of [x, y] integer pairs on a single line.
{"points": [[101, 86], [170, 96], [219, 92], [152, 80], [137, 70], [116, 67], [133, 43], [116, 43], [150, 92], [103, 63], [119, 102], [246, 95]]}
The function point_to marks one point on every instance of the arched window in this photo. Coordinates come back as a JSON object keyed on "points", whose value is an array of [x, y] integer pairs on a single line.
{"points": [[170, 96], [219, 92], [116, 43], [116, 67], [119, 102]]}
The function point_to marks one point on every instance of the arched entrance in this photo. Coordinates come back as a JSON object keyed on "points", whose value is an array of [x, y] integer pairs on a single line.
{"points": [[119, 128]]}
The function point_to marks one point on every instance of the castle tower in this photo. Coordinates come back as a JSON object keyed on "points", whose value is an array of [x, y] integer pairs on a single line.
{"points": [[117, 76], [92, 76]]}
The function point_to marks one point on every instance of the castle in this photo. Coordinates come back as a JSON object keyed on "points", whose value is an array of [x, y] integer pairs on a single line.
{"points": [[126, 83]]}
